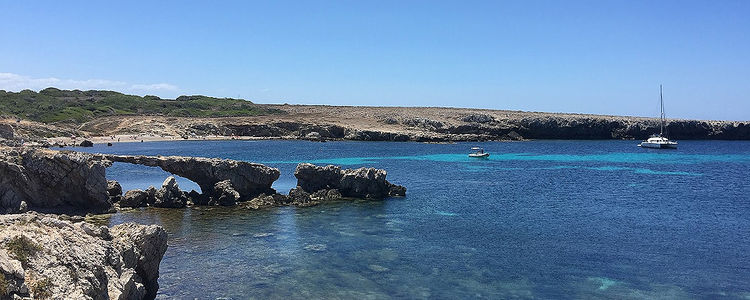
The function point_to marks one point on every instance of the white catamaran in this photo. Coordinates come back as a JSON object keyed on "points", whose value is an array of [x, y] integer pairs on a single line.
{"points": [[659, 141]]}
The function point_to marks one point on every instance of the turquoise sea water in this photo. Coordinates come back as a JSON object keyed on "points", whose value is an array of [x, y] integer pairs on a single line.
{"points": [[537, 220]]}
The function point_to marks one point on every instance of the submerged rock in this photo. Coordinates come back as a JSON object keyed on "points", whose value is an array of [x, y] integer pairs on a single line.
{"points": [[367, 183], [43, 257], [52, 180], [265, 201]]}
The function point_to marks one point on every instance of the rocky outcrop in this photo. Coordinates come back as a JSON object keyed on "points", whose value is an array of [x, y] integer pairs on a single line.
{"points": [[7, 132], [142, 248], [44, 257], [248, 179], [224, 194], [369, 183], [134, 198], [265, 201], [46, 180], [114, 188], [170, 195]]}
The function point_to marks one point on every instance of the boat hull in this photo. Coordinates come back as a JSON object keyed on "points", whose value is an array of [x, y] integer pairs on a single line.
{"points": [[479, 155], [658, 145]]}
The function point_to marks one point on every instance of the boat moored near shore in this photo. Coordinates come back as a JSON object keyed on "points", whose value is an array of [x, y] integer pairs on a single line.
{"points": [[478, 152]]}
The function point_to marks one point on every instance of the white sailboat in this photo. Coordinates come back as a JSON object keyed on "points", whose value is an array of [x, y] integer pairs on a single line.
{"points": [[659, 141]]}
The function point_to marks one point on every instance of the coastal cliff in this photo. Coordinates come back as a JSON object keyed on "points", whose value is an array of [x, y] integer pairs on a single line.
{"points": [[60, 181], [420, 124]]}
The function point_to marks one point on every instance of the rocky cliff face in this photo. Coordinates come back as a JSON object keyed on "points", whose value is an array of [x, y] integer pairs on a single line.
{"points": [[369, 183], [44, 257], [248, 179], [41, 179]]}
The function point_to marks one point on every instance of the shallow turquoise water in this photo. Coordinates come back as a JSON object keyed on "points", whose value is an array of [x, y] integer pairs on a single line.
{"points": [[542, 219]]}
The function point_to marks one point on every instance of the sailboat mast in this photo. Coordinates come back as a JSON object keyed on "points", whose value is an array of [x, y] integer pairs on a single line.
{"points": [[661, 117]]}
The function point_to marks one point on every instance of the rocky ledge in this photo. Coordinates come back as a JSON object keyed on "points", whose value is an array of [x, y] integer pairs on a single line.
{"points": [[49, 257], [41, 179], [316, 184]]}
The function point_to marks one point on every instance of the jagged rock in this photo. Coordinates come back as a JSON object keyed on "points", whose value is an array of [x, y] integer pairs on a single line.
{"points": [[151, 195], [326, 195], [142, 248], [314, 136], [197, 198], [312, 178], [299, 197], [478, 118], [248, 179], [114, 188], [364, 183], [65, 260], [52, 180], [224, 193], [264, 201], [357, 183], [170, 195], [7, 132], [397, 190], [87, 143], [134, 198]]}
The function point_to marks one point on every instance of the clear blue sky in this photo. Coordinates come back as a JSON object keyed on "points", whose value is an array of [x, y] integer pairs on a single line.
{"points": [[604, 57]]}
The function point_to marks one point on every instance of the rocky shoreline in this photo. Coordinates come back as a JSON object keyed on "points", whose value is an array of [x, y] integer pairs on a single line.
{"points": [[328, 123], [58, 256], [45, 180]]}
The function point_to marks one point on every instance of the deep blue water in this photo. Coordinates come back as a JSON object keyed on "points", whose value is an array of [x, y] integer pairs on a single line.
{"points": [[541, 219]]}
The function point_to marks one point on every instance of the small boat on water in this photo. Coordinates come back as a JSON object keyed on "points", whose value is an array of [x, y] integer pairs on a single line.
{"points": [[478, 152], [660, 140]]}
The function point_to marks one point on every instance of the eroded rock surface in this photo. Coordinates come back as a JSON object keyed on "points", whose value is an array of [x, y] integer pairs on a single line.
{"points": [[170, 195], [44, 257], [248, 179], [51, 180], [367, 183]]}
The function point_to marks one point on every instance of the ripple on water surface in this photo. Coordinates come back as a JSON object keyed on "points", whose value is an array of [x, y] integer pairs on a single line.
{"points": [[544, 219]]}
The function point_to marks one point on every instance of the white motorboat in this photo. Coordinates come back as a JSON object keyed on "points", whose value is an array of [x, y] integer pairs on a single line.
{"points": [[660, 140], [478, 152]]}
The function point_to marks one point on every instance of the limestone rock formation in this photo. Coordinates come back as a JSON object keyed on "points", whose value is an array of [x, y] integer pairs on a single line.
{"points": [[224, 194], [7, 132], [142, 248], [367, 183], [52, 180], [248, 179], [114, 188], [170, 195], [265, 201], [134, 198], [299, 197], [45, 257]]}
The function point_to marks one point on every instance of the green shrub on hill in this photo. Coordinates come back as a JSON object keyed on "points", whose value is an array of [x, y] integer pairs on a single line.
{"points": [[52, 105]]}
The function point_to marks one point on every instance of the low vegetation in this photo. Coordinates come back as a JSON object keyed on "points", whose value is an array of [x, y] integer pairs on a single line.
{"points": [[22, 248], [53, 105], [3, 286], [41, 289]]}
